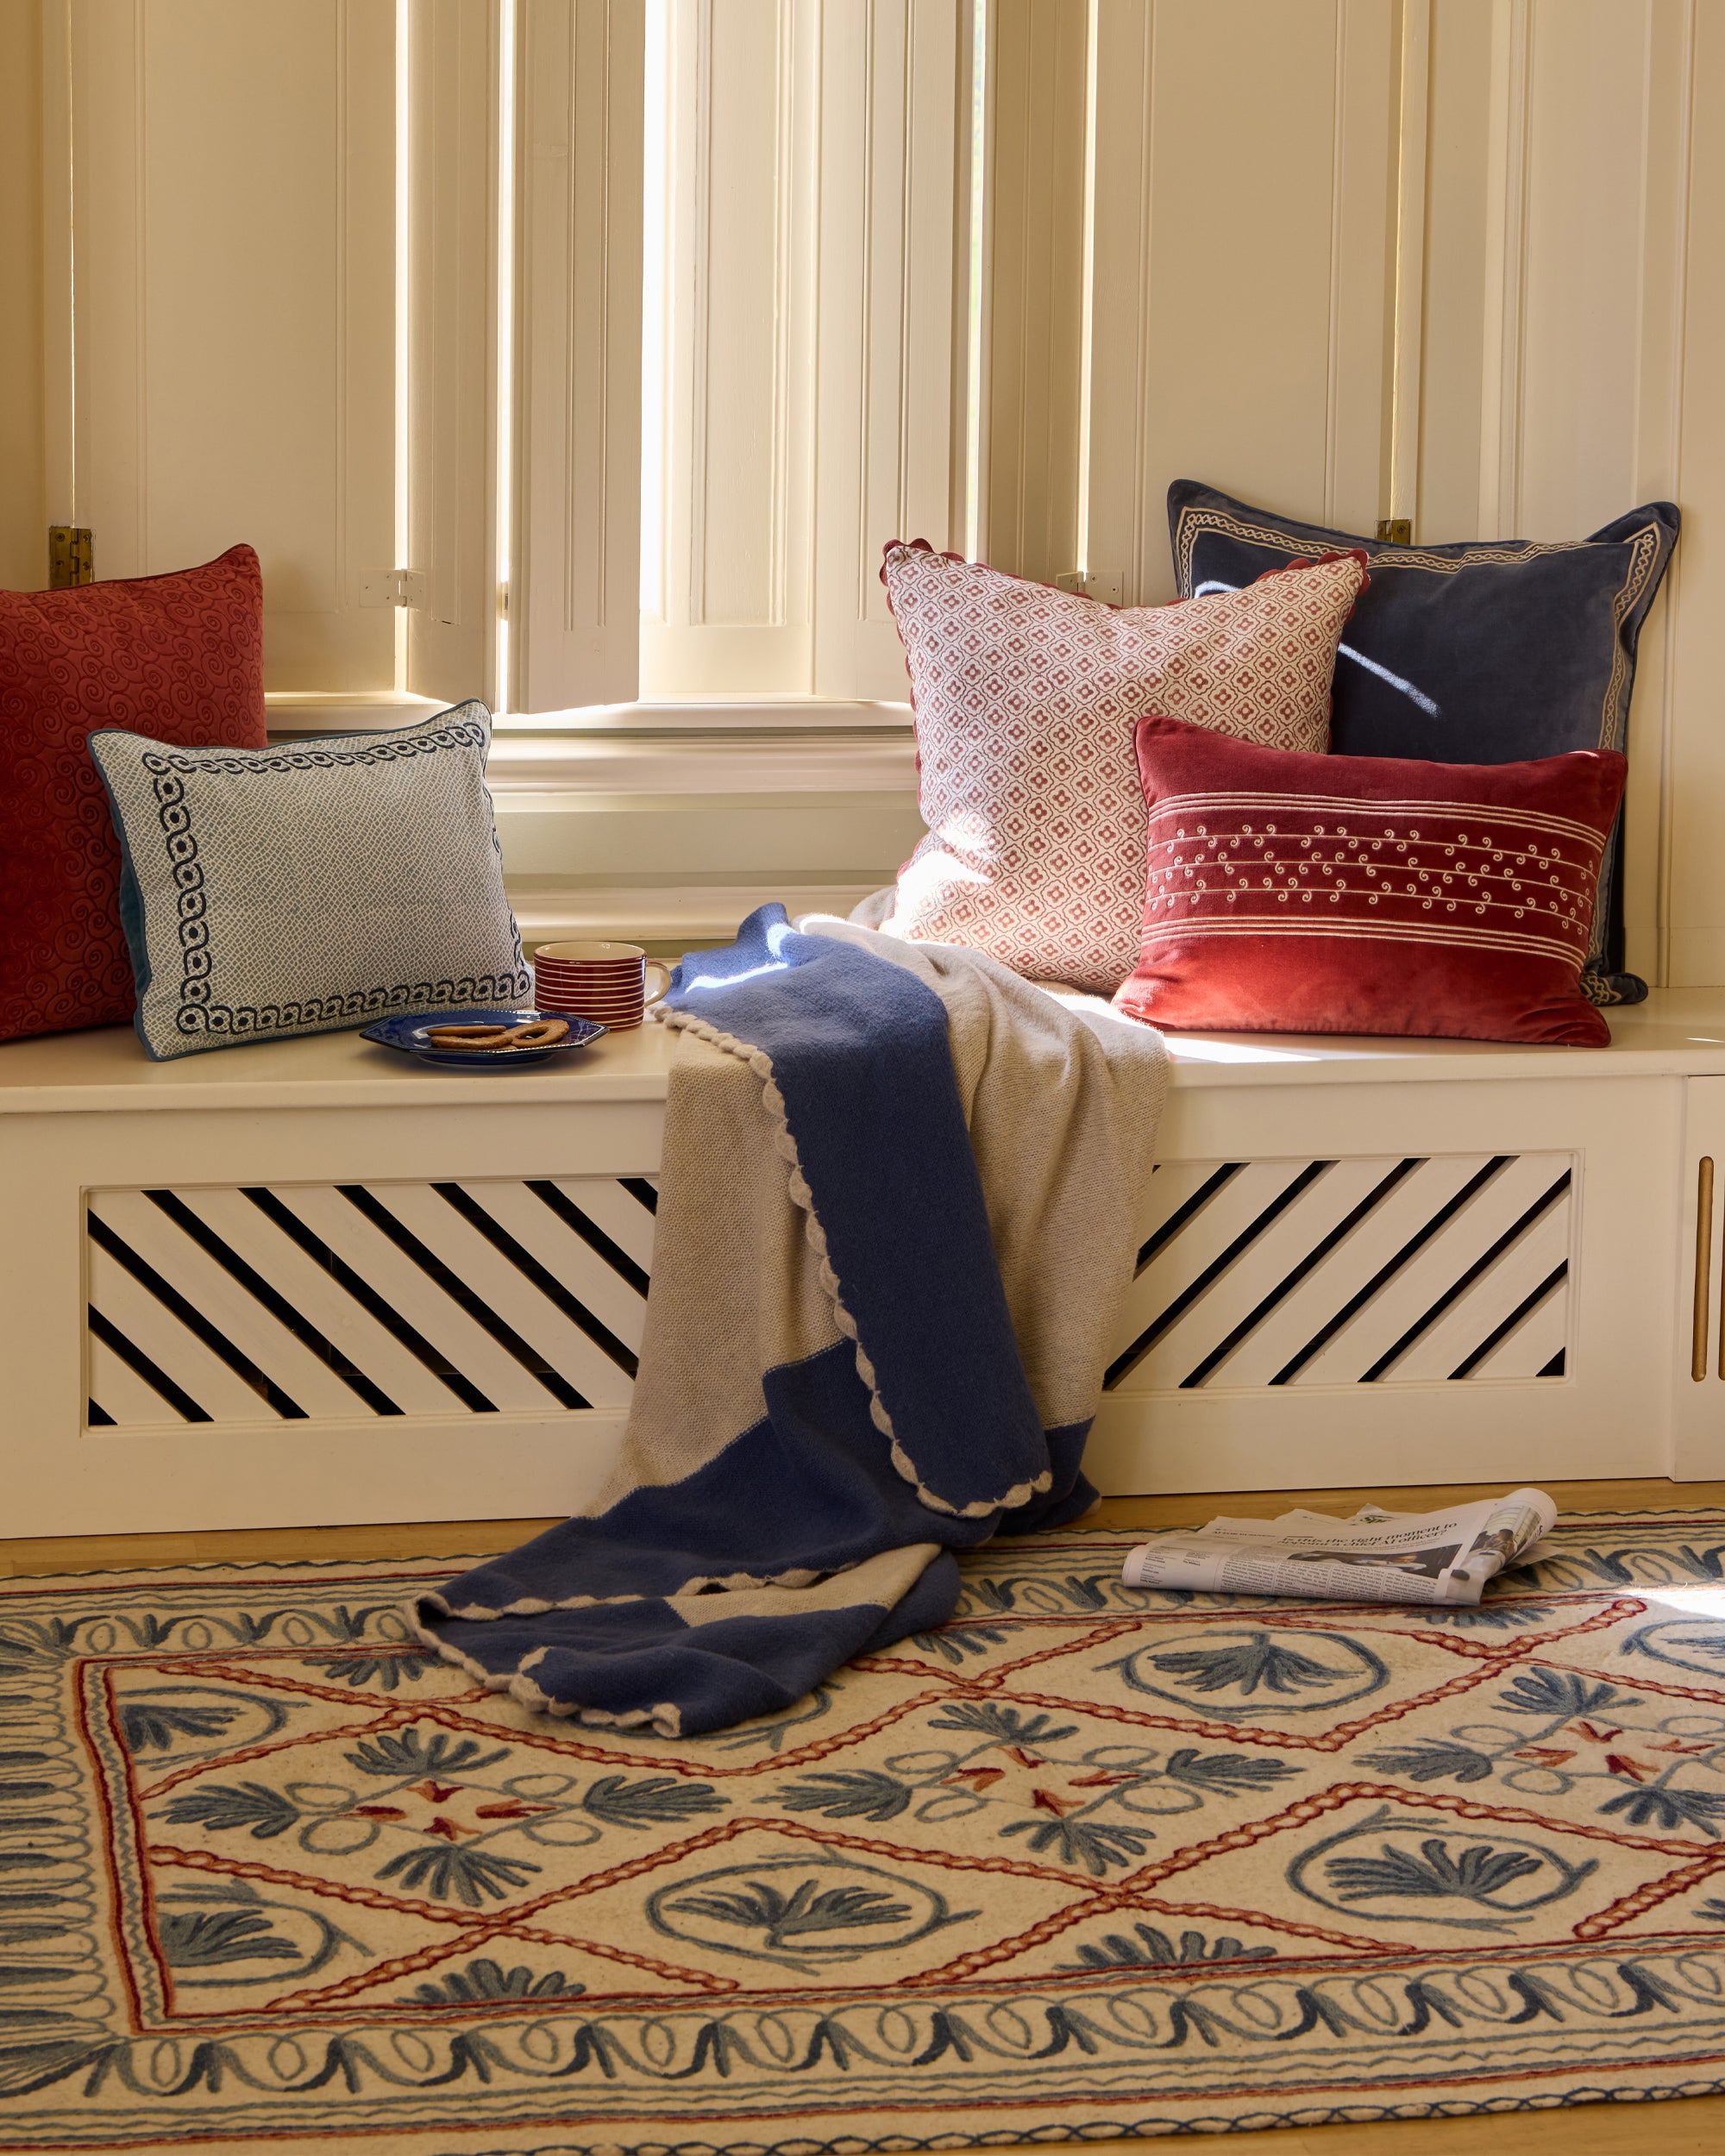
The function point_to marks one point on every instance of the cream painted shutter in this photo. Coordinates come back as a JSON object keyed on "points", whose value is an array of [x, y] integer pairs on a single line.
{"points": [[574, 578], [814, 344], [450, 307], [1242, 266], [888, 454], [220, 304]]}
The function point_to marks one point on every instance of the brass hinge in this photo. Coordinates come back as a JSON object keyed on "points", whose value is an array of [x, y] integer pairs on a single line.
{"points": [[1397, 531], [72, 559], [391, 588]]}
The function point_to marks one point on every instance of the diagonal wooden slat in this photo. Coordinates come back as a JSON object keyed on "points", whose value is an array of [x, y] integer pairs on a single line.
{"points": [[619, 1308], [1255, 1274], [1301, 1315], [1254, 1260], [1530, 1344], [1421, 1283], [349, 1327], [1173, 1184], [127, 1399], [507, 1291], [174, 1347], [1482, 1306], [1227, 1215], [611, 1209], [238, 1316], [432, 1313]]}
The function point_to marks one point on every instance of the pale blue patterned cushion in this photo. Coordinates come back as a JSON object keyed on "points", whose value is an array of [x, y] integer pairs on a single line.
{"points": [[308, 887]]}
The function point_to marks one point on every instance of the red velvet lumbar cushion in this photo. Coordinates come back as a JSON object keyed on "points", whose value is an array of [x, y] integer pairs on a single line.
{"points": [[177, 657], [1294, 893]]}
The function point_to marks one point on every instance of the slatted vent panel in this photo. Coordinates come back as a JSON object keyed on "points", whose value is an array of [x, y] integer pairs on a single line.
{"points": [[328, 1302], [325, 1302], [1351, 1272]]}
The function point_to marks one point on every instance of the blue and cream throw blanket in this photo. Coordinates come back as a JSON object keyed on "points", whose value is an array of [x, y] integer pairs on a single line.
{"points": [[898, 1210]]}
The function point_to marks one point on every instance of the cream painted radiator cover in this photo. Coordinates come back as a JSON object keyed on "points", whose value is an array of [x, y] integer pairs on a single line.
{"points": [[322, 1302]]}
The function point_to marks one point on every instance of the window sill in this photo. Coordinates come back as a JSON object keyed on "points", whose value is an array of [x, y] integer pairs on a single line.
{"points": [[636, 750], [298, 713], [666, 825], [667, 919], [543, 768]]}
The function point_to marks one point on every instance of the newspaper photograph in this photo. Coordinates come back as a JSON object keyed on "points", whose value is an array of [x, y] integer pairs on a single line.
{"points": [[1375, 1556]]}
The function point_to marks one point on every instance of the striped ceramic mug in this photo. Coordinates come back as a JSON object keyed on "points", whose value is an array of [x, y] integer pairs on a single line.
{"points": [[607, 982]]}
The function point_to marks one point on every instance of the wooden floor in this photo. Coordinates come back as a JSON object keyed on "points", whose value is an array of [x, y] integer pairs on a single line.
{"points": [[1694, 2128]]}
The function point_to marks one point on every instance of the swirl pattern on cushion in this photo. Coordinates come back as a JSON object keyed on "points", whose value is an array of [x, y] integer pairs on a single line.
{"points": [[177, 657]]}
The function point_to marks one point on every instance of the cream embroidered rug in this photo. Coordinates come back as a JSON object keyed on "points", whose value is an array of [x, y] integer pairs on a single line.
{"points": [[1085, 1862]]}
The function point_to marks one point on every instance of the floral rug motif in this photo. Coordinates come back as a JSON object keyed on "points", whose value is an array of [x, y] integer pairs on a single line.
{"points": [[1087, 1862]]}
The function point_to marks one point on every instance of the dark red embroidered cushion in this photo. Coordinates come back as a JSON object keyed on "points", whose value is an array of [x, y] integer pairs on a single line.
{"points": [[177, 657], [1295, 893]]}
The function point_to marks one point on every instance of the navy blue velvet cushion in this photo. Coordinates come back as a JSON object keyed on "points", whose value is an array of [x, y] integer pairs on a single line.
{"points": [[1496, 651]]}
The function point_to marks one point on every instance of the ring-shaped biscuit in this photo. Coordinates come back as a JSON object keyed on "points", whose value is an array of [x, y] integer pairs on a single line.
{"points": [[538, 1033], [470, 1036]]}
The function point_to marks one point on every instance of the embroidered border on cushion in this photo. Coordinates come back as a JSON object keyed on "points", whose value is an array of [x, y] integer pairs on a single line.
{"points": [[1644, 554], [1527, 878], [198, 1014], [463, 733], [1603, 988]]}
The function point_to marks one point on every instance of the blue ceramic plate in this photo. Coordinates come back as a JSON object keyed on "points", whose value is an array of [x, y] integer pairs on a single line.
{"points": [[408, 1036]]}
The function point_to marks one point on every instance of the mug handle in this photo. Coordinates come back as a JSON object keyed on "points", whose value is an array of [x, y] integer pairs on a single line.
{"points": [[658, 996]]}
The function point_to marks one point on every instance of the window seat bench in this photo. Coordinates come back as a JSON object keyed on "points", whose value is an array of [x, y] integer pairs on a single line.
{"points": [[308, 1282]]}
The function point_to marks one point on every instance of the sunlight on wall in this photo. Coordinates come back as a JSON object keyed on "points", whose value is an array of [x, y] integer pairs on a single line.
{"points": [[973, 295], [656, 270]]}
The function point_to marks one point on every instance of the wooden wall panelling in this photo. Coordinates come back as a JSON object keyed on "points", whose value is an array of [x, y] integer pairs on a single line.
{"points": [[1443, 399], [30, 153], [1669, 143], [56, 416], [1536, 125], [745, 132], [890, 204], [1589, 111], [1695, 650], [232, 174], [574, 595], [1242, 299], [1364, 176], [1410, 109], [357, 650], [109, 407], [1508, 121], [1037, 87], [1609, 145], [451, 313], [1555, 239], [1125, 524]]}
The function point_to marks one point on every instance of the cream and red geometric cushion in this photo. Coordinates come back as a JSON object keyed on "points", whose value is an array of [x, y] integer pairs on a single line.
{"points": [[1026, 698]]}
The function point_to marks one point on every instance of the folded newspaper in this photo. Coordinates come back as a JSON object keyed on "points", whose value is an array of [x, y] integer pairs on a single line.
{"points": [[1376, 1556]]}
